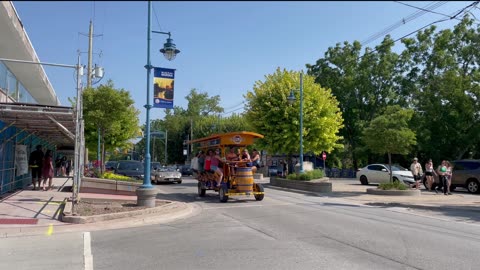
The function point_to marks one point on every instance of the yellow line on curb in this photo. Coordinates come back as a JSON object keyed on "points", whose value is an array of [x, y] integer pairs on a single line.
{"points": [[57, 203], [50, 230]]}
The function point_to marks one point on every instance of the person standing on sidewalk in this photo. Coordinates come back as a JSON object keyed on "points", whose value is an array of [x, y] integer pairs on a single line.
{"points": [[429, 172], [47, 170], [417, 172], [35, 162], [441, 172], [448, 176]]}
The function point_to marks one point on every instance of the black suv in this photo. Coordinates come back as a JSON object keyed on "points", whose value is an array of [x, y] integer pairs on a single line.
{"points": [[130, 168], [186, 170]]}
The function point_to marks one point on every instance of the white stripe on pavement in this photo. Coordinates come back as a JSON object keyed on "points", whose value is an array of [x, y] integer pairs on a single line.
{"points": [[87, 251]]}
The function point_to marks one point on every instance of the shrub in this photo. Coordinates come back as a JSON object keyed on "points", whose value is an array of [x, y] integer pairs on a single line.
{"points": [[306, 176], [112, 176], [393, 185]]}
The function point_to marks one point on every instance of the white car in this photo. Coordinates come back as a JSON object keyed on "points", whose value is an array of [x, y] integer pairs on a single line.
{"points": [[379, 173], [167, 174]]}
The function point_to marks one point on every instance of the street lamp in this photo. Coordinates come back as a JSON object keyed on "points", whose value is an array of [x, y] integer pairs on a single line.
{"points": [[146, 193], [291, 98]]}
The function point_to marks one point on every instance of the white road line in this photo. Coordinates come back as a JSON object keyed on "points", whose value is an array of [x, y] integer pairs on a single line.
{"points": [[87, 251]]}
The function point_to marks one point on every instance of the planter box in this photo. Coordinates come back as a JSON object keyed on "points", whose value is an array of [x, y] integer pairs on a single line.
{"points": [[313, 186], [107, 186], [393, 192]]}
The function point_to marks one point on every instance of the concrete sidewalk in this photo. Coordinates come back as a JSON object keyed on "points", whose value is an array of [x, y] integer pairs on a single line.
{"points": [[35, 212], [30, 207]]}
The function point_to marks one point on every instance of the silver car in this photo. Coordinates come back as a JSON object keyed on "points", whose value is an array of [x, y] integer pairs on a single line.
{"points": [[167, 174]]}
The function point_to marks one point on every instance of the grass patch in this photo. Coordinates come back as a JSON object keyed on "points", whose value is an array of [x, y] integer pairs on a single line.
{"points": [[395, 185], [306, 176]]}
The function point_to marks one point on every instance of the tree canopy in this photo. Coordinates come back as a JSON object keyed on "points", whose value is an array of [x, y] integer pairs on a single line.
{"points": [[270, 114], [112, 111]]}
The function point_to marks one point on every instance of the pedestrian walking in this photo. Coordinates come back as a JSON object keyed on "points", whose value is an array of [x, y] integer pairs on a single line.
{"points": [[416, 169], [58, 165], [47, 170], [68, 168], [429, 172], [64, 165], [35, 162]]}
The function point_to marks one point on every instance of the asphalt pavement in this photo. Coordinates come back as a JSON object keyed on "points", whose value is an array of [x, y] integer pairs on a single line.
{"points": [[287, 230]]}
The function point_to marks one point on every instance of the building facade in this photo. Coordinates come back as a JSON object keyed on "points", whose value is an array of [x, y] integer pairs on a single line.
{"points": [[30, 112]]}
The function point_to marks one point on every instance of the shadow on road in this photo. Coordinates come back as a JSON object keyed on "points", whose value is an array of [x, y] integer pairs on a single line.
{"points": [[464, 212], [336, 194]]}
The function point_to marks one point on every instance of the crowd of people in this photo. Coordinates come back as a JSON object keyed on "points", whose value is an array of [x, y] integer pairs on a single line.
{"points": [[443, 171], [210, 165], [43, 168]]}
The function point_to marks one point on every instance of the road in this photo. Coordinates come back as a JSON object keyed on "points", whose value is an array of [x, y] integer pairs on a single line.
{"points": [[286, 230]]}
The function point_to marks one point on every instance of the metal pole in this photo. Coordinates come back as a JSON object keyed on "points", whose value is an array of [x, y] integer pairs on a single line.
{"points": [[191, 137], [90, 46], [301, 122], [146, 178], [153, 149], [37, 63], [98, 146], [76, 176], [166, 136]]}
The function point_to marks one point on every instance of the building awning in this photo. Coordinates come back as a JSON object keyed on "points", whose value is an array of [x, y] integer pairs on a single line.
{"points": [[54, 124]]}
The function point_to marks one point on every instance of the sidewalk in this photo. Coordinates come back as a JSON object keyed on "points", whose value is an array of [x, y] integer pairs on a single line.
{"points": [[34, 212], [34, 207]]}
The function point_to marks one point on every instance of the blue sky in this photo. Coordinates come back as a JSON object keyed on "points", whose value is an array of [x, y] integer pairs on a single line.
{"points": [[225, 46]]}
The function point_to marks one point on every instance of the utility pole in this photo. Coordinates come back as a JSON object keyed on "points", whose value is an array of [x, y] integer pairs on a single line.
{"points": [[90, 46], [191, 137]]}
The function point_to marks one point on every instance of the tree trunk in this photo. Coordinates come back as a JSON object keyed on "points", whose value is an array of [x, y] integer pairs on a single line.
{"points": [[390, 165]]}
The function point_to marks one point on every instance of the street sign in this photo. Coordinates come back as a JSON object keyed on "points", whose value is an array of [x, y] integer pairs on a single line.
{"points": [[324, 155]]}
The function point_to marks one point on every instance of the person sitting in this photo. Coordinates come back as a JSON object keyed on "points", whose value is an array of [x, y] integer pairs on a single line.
{"points": [[255, 160], [215, 166], [246, 158], [231, 156]]}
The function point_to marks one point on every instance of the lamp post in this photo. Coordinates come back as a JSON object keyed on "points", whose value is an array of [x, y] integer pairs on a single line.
{"points": [[165, 135], [146, 193], [291, 99]]}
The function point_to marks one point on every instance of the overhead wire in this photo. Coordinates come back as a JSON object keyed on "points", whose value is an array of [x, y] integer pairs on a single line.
{"points": [[423, 9], [456, 14], [396, 25], [156, 17]]}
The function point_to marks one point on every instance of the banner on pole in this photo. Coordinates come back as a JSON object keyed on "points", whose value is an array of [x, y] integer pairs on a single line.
{"points": [[163, 82]]}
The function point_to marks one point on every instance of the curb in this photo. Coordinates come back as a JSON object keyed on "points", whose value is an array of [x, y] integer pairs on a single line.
{"points": [[175, 211], [376, 191], [68, 218], [324, 186]]}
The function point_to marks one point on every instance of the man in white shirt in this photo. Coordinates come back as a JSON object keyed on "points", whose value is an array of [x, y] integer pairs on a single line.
{"points": [[417, 172]]}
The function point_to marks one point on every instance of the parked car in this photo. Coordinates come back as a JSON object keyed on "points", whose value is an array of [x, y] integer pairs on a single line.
{"points": [[130, 168], [466, 174], [110, 165], [379, 173], [154, 167], [167, 174], [186, 170]]}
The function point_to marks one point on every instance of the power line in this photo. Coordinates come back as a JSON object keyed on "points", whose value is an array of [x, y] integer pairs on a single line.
{"points": [[156, 17], [470, 6], [396, 25], [231, 107], [426, 10]]}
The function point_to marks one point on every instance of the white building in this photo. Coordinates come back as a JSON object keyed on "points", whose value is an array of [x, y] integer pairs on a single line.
{"points": [[30, 112]]}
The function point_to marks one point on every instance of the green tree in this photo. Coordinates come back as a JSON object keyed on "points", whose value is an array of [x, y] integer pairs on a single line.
{"points": [[270, 114], [111, 111], [362, 83], [443, 82], [389, 133]]}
